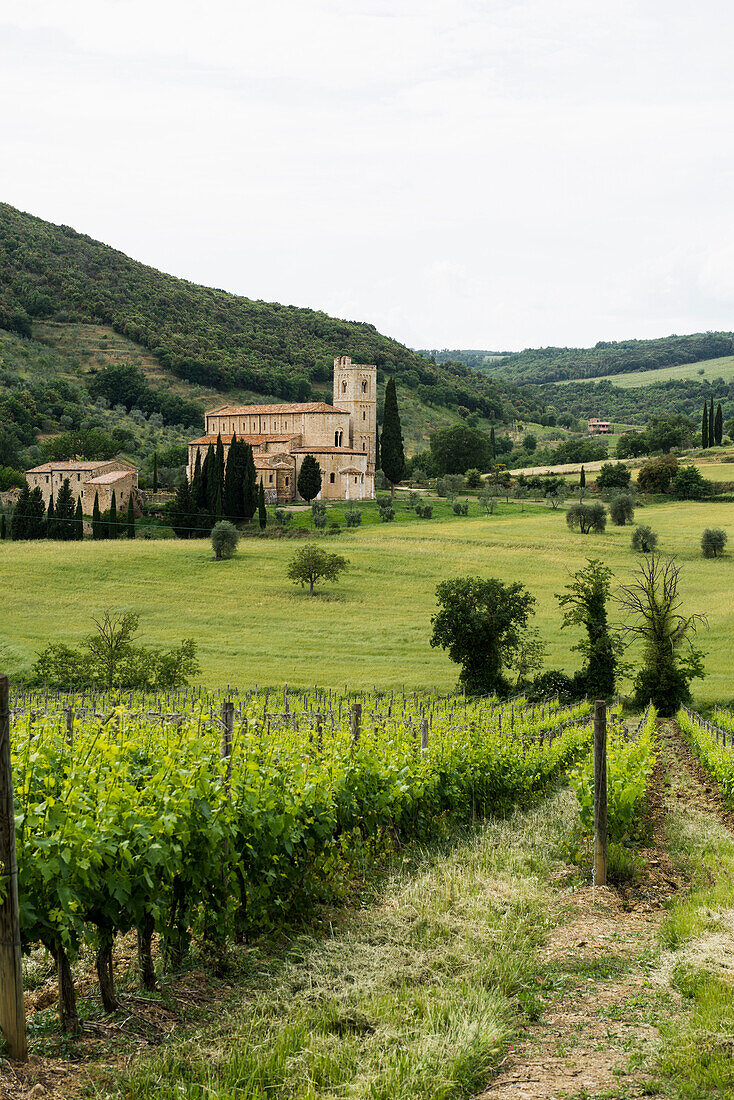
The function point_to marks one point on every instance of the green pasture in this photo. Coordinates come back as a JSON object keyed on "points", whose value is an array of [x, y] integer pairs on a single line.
{"points": [[706, 370], [372, 628]]}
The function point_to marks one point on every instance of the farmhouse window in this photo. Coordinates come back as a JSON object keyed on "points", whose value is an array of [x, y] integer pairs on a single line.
{"points": [[270, 479], [47, 479], [287, 481], [332, 478]]}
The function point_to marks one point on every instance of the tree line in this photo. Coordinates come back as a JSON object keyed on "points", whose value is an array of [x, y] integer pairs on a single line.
{"points": [[63, 520]]}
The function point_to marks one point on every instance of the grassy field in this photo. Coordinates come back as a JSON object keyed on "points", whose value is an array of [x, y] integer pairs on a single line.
{"points": [[372, 628], [706, 370]]}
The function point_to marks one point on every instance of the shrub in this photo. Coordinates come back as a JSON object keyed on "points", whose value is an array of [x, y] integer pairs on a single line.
{"points": [[587, 517], [551, 683], [334, 528], [622, 509], [387, 512], [450, 485], [318, 512], [689, 484], [461, 507], [644, 539], [425, 511], [488, 501], [283, 518], [473, 478], [656, 474], [225, 537], [713, 541], [353, 517], [613, 475]]}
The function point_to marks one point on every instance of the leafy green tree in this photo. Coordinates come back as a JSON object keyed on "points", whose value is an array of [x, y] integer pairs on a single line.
{"points": [[663, 433], [690, 484], [622, 509], [79, 521], [309, 478], [318, 514], [632, 445], [644, 539], [225, 537], [473, 479], [669, 660], [480, 623], [656, 475], [109, 646], [713, 541], [584, 604], [19, 520], [392, 453], [718, 426], [130, 524], [310, 564], [112, 522], [458, 448], [97, 524], [65, 507], [587, 517], [613, 475], [262, 512]]}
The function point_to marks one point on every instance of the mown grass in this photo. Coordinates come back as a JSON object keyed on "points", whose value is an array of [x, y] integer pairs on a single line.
{"points": [[372, 628], [414, 996]]}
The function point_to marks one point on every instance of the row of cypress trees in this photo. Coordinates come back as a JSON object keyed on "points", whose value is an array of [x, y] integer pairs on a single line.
{"points": [[64, 519], [219, 489], [712, 425]]}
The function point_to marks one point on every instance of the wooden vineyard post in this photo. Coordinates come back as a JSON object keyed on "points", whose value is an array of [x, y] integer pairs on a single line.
{"points": [[600, 793], [227, 734], [424, 735], [356, 723], [12, 1008]]}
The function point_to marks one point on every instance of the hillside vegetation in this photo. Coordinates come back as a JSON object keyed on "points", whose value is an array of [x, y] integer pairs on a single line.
{"points": [[207, 336]]}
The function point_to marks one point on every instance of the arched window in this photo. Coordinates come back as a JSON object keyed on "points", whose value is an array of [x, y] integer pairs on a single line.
{"points": [[344, 387], [332, 478], [338, 436], [364, 414], [364, 387]]}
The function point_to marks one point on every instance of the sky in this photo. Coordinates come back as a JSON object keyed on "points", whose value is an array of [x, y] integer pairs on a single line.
{"points": [[489, 174]]}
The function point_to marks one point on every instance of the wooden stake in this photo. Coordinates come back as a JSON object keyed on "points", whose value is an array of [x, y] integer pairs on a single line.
{"points": [[600, 793], [12, 1009]]}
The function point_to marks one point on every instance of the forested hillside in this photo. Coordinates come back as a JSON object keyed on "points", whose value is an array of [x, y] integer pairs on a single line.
{"points": [[207, 336], [538, 365]]}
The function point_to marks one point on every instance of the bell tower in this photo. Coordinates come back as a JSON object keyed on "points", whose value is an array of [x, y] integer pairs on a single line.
{"points": [[355, 392]]}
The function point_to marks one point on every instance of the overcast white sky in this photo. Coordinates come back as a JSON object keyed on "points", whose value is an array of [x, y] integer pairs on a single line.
{"points": [[461, 173]]}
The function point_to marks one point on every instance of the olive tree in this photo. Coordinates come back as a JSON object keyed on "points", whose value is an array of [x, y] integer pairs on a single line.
{"points": [[622, 509], [644, 539], [311, 564], [480, 623], [713, 541], [225, 537], [587, 517]]}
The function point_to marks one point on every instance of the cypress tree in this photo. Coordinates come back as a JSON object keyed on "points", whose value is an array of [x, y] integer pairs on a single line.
{"points": [[249, 484], [209, 480], [19, 520], [184, 518], [79, 521], [232, 492], [198, 494], [97, 532], [492, 451], [3, 528], [711, 424], [705, 426], [218, 501], [393, 454], [64, 522], [309, 478], [219, 461], [51, 519], [155, 471], [377, 446], [718, 426], [112, 524], [36, 526], [262, 514], [131, 516], [582, 479]]}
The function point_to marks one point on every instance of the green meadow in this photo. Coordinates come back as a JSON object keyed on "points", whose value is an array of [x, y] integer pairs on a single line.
{"points": [[369, 630], [706, 370]]}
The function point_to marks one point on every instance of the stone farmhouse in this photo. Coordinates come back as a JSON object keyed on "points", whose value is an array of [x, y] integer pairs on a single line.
{"points": [[340, 436], [85, 479]]}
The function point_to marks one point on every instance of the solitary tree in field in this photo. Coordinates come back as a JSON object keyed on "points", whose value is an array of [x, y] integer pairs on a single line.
{"points": [[225, 537], [584, 604], [311, 564], [392, 453], [713, 541], [480, 623], [622, 509], [309, 478], [644, 539], [669, 660], [587, 517]]}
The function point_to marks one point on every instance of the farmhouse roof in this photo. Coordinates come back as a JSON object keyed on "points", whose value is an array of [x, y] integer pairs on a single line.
{"points": [[107, 479], [75, 464], [307, 407]]}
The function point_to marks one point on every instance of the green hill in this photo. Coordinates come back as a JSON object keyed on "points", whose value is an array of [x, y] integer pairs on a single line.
{"points": [[207, 337]]}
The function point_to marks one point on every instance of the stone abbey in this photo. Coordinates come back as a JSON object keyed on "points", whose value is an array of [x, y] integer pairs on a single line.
{"points": [[341, 437]]}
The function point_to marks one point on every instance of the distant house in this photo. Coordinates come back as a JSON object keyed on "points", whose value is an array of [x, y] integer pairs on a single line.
{"points": [[600, 427], [87, 478]]}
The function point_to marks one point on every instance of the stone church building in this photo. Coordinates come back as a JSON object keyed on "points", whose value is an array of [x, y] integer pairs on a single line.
{"points": [[340, 436]]}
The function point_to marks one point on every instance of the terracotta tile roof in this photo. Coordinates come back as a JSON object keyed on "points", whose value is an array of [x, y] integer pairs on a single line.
{"points": [[59, 467], [107, 479], [207, 439], [245, 410], [327, 451]]}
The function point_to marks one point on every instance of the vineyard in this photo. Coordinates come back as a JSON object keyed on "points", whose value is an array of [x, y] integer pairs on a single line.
{"points": [[214, 815]]}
